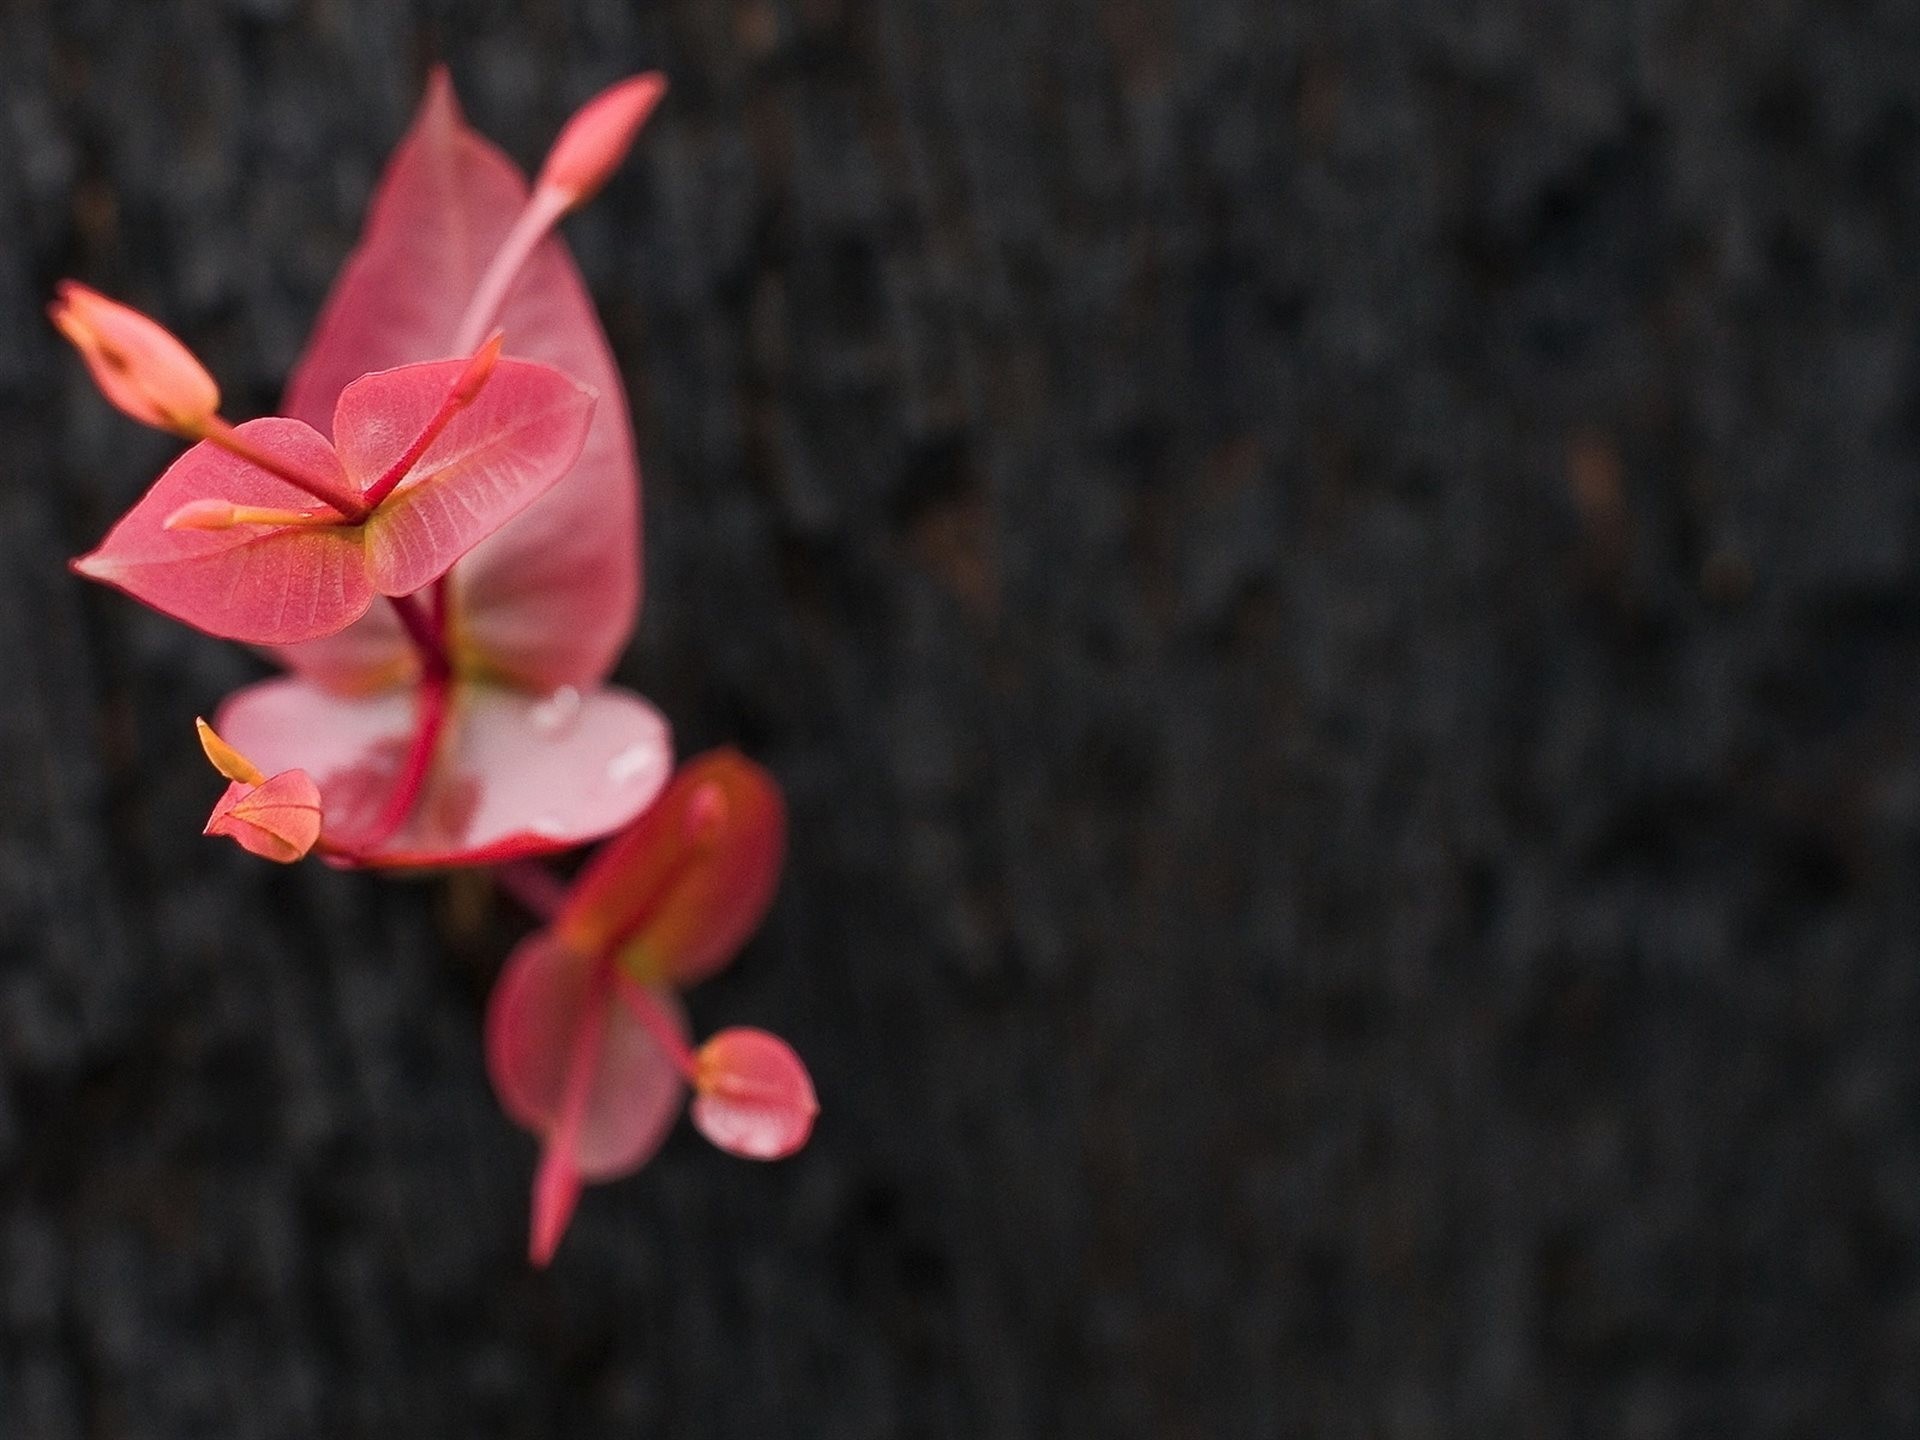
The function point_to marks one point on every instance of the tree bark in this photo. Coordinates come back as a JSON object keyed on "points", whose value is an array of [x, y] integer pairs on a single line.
{"points": [[1333, 587]]}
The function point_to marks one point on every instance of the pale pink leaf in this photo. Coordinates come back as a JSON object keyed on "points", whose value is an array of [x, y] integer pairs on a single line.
{"points": [[370, 655], [516, 774]]}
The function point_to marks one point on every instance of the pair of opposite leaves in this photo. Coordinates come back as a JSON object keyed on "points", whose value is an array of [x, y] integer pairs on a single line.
{"points": [[395, 472]]}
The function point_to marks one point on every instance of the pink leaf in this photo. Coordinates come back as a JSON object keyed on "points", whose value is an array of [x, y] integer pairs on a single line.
{"points": [[551, 598], [277, 819], [498, 455], [681, 890], [534, 1019], [264, 584], [516, 775], [370, 655], [754, 1097], [580, 1072]]}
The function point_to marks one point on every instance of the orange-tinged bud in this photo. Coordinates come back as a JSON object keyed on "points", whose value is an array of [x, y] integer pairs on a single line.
{"points": [[597, 138], [224, 758], [138, 365], [276, 817]]}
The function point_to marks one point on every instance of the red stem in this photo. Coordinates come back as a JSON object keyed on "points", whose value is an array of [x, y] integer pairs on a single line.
{"points": [[466, 386], [430, 720], [351, 507], [556, 1185], [586, 1056], [426, 633]]}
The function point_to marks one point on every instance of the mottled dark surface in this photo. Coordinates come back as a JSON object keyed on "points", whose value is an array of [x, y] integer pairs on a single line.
{"points": [[1334, 586]]}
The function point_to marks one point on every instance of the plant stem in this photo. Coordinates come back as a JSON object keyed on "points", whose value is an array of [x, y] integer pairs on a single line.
{"points": [[427, 634], [351, 507], [543, 209], [536, 887], [429, 722]]}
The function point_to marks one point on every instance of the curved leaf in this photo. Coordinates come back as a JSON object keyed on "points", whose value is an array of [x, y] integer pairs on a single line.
{"points": [[277, 818], [499, 454], [264, 584], [535, 1020], [755, 1099], [682, 889]]}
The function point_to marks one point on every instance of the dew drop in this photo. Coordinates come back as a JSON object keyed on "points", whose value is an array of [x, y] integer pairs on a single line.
{"points": [[631, 763], [558, 713]]}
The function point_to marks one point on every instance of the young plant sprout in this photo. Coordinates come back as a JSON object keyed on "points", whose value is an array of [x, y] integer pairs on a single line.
{"points": [[439, 540], [586, 1041]]}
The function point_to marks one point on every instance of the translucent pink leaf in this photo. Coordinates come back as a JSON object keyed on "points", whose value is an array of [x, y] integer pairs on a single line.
{"points": [[580, 1072], [499, 454], [551, 598], [754, 1097], [277, 819], [264, 584], [682, 889], [370, 655], [516, 775], [535, 1016]]}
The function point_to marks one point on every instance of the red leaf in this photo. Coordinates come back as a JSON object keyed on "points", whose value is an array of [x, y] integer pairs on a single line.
{"points": [[754, 1097], [498, 455], [267, 585], [534, 1020], [683, 888], [580, 1072], [517, 774], [552, 598]]}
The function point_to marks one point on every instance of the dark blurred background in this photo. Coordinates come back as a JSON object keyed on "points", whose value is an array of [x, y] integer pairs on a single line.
{"points": [[1333, 585]]}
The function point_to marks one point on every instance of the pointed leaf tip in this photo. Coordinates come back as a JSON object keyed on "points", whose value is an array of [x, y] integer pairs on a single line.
{"points": [[556, 1194], [141, 368], [550, 600], [597, 138], [755, 1097]]}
